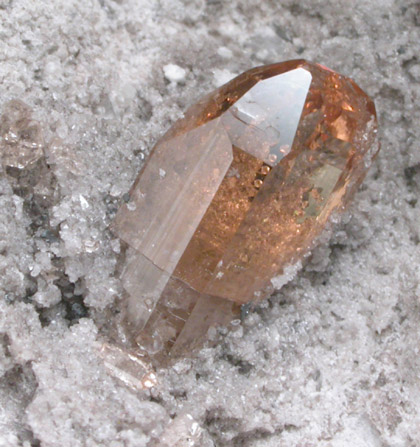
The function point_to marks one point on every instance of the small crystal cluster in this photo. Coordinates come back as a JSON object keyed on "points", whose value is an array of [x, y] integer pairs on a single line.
{"points": [[21, 139], [34, 185], [236, 193], [22, 152]]}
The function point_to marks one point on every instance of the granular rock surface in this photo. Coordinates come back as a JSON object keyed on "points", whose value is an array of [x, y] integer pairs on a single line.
{"points": [[332, 359]]}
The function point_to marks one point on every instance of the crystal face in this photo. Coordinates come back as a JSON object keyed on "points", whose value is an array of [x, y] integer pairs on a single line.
{"points": [[237, 191]]}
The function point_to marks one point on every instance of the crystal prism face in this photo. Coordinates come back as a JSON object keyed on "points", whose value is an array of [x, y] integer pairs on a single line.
{"points": [[238, 190]]}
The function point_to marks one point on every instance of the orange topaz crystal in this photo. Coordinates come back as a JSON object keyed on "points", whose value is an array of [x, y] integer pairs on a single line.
{"points": [[237, 191]]}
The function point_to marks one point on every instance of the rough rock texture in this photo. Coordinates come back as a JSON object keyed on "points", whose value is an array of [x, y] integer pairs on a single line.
{"points": [[332, 359]]}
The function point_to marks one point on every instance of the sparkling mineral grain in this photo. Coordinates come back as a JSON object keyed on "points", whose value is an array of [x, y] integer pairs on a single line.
{"points": [[21, 139], [252, 174]]}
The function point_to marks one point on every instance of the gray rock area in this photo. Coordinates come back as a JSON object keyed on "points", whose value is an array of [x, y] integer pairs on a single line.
{"points": [[332, 360]]}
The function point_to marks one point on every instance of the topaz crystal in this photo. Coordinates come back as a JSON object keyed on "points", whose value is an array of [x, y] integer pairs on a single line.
{"points": [[236, 192]]}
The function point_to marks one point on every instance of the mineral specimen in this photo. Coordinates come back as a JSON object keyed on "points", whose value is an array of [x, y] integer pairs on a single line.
{"points": [[236, 192]]}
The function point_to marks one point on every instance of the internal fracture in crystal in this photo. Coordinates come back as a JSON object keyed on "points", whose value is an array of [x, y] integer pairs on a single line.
{"points": [[253, 172]]}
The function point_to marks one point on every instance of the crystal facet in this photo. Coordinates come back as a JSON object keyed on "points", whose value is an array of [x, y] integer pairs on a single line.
{"points": [[236, 192]]}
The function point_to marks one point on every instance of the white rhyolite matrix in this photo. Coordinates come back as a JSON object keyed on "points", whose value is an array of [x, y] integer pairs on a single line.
{"points": [[330, 360]]}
